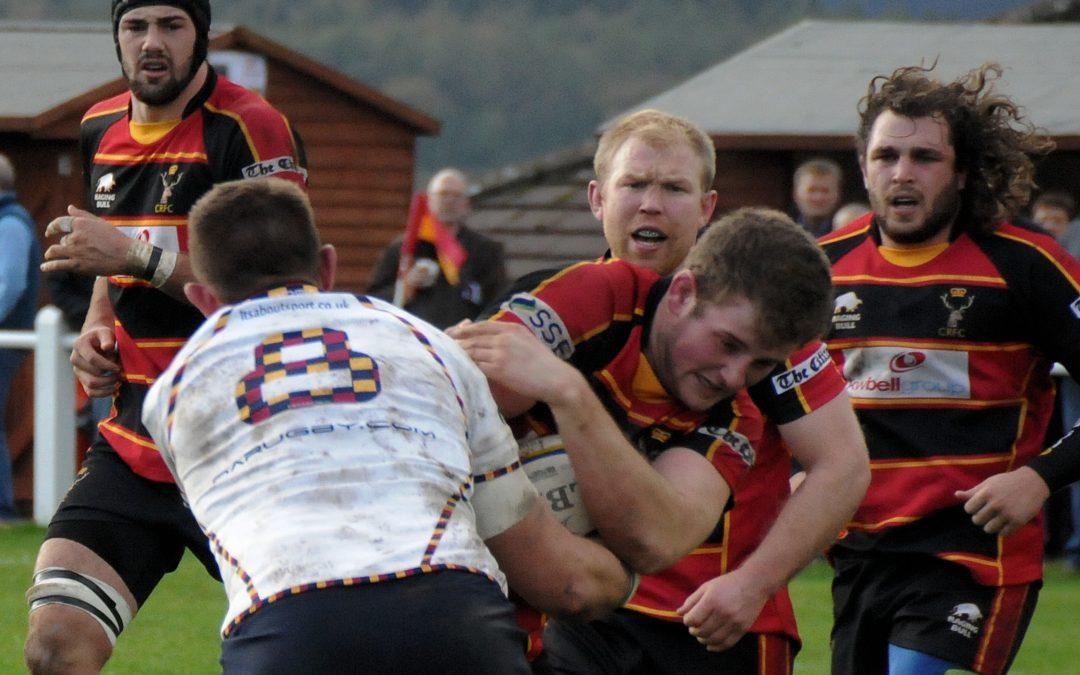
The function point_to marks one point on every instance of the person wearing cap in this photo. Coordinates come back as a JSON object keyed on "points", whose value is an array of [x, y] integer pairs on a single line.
{"points": [[148, 155]]}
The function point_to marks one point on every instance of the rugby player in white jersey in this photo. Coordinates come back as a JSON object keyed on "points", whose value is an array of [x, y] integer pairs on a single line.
{"points": [[347, 462]]}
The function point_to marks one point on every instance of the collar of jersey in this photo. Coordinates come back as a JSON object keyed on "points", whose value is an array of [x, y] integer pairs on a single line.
{"points": [[146, 133], [912, 257], [646, 386], [285, 290]]}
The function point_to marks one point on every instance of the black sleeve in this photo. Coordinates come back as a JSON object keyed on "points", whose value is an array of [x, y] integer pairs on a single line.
{"points": [[523, 285], [383, 278], [494, 273], [1060, 465], [71, 293]]}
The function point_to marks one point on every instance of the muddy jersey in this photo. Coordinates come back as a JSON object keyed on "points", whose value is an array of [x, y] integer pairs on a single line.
{"points": [[322, 439], [602, 332], [948, 366], [144, 182]]}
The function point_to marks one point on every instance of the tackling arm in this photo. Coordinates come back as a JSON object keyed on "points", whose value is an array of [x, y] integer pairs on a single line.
{"points": [[649, 515], [558, 572]]}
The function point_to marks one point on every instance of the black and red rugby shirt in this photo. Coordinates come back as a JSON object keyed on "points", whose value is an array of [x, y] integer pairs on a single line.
{"points": [[597, 316], [948, 365], [145, 186]]}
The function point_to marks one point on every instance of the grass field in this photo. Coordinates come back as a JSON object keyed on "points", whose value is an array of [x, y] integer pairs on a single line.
{"points": [[176, 632]]}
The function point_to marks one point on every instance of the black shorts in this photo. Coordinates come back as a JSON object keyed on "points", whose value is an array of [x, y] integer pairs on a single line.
{"points": [[139, 526], [927, 605], [629, 642], [442, 622]]}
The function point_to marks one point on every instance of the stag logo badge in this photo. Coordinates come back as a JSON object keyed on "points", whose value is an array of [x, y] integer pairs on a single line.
{"points": [[169, 180], [957, 301]]}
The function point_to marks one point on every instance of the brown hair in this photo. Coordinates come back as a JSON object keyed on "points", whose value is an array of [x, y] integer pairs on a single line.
{"points": [[249, 235], [762, 255], [659, 129], [991, 137]]}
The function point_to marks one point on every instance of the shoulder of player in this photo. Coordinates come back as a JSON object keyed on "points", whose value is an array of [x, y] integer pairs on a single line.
{"points": [[594, 290], [244, 107], [1016, 248], [104, 114], [841, 241]]}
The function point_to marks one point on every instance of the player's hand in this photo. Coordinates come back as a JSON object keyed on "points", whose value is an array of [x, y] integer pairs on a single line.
{"points": [[96, 362], [87, 245], [721, 610], [513, 358], [1005, 502]]}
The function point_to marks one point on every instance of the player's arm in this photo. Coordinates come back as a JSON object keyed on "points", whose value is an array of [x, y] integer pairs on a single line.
{"points": [[649, 515], [557, 572], [90, 245], [1005, 502], [829, 444], [93, 355]]}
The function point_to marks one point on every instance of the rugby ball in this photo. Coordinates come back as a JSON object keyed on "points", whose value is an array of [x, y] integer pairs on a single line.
{"points": [[548, 469]]}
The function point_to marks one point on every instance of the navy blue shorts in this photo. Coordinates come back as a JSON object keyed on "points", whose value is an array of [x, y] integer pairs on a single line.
{"points": [[628, 642], [926, 605], [442, 622]]}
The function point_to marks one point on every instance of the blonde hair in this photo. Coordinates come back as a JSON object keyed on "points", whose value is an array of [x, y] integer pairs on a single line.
{"points": [[659, 129]]}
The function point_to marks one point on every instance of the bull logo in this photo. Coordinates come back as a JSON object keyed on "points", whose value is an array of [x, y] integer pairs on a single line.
{"points": [[106, 183], [847, 303]]}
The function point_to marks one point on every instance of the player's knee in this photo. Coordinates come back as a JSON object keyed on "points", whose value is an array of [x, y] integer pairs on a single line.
{"points": [[64, 640], [74, 621]]}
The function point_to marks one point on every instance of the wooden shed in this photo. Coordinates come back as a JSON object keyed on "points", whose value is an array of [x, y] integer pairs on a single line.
{"points": [[360, 145], [539, 210]]}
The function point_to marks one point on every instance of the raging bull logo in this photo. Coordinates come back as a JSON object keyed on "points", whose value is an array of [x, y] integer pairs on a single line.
{"points": [[846, 310], [103, 192], [965, 619]]}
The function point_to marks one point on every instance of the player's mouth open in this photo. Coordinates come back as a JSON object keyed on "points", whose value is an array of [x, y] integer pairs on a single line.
{"points": [[648, 236]]}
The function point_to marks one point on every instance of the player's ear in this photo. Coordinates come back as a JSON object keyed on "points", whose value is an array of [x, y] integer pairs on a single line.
{"points": [[596, 199], [327, 266], [682, 293], [202, 296]]}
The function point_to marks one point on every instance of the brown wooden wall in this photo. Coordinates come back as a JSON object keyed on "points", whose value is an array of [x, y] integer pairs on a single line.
{"points": [[764, 177], [360, 165]]}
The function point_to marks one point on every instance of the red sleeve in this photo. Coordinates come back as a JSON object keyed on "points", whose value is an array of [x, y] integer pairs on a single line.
{"points": [[578, 302]]}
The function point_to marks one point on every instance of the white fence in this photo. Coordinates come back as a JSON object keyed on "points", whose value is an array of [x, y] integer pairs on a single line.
{"points": [[54, 407]]}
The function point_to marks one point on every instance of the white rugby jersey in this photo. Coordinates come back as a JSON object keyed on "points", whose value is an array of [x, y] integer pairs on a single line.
{"points": [[322, 439]]}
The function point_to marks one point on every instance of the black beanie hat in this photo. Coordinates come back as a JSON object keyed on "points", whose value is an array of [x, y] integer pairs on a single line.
{"points": [[198, 10]]}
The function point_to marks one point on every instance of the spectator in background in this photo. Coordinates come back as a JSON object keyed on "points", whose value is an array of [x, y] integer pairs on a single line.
{"points": [[849, 212], [816, 191], [20, 254], [429, 293], [1056, 211]]}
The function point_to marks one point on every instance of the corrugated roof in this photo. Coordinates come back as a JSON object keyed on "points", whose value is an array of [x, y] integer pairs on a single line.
{"points": [[807, 79], [43, 65], [49, 64]]}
